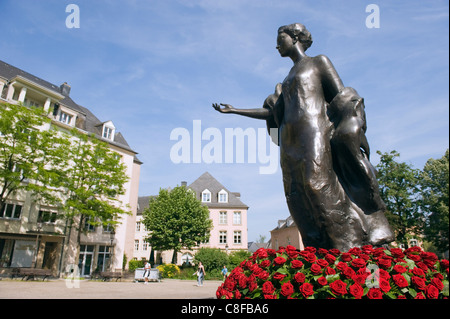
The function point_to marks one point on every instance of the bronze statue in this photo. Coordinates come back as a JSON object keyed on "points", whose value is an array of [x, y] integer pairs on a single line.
{"points": [[330, 185]]}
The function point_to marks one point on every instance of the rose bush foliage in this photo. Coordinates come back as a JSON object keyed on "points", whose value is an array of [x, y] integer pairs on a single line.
{"points": [[360, 273]]}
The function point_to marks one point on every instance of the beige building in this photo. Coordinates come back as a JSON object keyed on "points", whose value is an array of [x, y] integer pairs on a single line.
{"points": [[25, 242], [286, 233]]}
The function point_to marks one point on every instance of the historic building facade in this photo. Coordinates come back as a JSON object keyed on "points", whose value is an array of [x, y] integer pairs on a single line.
{"points": [[226, 210], [31, 235]]}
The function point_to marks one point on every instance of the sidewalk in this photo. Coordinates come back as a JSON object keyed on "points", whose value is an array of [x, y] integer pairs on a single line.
{"points": [[126, 289]]}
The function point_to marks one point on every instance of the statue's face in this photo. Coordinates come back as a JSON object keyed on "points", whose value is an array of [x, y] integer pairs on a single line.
{"points": [[284, 44]]}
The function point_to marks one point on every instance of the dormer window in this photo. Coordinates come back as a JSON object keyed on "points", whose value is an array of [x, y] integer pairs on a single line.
{"points": [[65, 118], [223, 196], [108, 130], [206, 196]]}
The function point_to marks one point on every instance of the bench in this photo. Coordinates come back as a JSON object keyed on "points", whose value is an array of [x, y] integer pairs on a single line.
{"points": [[111, 275], [31, 273]]}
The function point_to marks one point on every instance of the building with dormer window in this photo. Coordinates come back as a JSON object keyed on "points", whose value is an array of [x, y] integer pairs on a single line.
{"points": [[226, 210], [25, 242]]}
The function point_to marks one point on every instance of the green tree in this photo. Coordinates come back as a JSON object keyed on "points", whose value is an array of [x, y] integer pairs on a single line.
{"points": [[93, 182], [399, 189], [175, 219], [213, 259], [435, 191], [31, 158]]}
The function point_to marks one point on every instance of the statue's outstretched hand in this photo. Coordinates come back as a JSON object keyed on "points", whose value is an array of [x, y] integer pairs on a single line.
{"points": [[226, 107]]}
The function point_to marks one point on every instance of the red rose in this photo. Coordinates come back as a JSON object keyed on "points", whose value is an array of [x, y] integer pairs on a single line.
{"points": [[237, 294], [437, 283], [420, 295], [306, 289], [359, 263], [356, 291], [310, 257], [322, 281], [415, 258], [418, 282], [400, 281], [263, 275], [444, 263], [338, 287], [401, 297], [384, 285], [278, 276], [310, 249], [287, 289], [341, 266], [400, 269], [432, 292], [296, 264], [261, 253], [279, 261], [334, 251], [346, 257], [360, 279], [265, 263], [330, 271], [268, 288], [271, 252], [299, 277], [252, 286], [397, 253], [349, 272], [290, 247], [270, 297], [375, 293], [323, 251], [384, 263], [418, 272], [243, 281], [330, 258], [322, 263], [316, 269]]}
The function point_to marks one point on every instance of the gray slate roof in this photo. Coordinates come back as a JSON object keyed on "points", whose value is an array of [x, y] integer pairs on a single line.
{"points": [[90, 124], [207, 181]]}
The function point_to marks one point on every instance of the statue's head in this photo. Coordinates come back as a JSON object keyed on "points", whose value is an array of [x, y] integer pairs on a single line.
{"points": [[298, 32]]}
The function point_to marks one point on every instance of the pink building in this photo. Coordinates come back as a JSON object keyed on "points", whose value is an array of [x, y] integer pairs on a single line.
{"points": [[226, 210]]}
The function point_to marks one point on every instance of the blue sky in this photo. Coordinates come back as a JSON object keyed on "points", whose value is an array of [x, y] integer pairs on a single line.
{"points": [[153, 66]]}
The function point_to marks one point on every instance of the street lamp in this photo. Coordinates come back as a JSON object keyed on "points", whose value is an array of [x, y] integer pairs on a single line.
{"points": [[226, 248], [112, 236]]}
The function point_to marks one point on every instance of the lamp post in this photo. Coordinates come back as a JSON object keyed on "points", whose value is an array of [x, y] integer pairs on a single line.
{"points": [[39, 227], [226, 248], [111, 238]]}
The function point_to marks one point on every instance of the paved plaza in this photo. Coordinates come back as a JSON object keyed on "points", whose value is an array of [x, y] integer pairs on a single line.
{"points": [[87, 289]]}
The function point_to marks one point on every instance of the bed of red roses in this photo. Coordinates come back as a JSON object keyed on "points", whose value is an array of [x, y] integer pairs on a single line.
{"points": [[360, 273]]}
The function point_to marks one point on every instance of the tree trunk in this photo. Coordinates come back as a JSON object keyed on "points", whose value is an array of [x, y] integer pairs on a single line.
{"points": [[174, 257]]}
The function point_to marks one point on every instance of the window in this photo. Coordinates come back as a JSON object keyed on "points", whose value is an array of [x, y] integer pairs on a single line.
{"points": [[87, 225], [47, 216], [237, 218], [107, 132], [103, 260], [223, 218], [237, 237], [144, 245], [136, 244], [222, 237], [65, 118], [206, 196], [223, 196], [11, 211], [138, 226]]}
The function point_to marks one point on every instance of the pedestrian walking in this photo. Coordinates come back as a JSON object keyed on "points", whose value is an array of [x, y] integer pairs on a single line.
{"points": [[147, 268], [224, 272], [200, 274]]}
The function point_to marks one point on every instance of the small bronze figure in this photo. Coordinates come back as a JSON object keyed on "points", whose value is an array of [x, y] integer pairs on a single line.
{"points": [[330, 185]]}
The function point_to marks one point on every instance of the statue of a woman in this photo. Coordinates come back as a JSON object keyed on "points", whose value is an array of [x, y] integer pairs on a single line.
{"points": [[329, 183]]}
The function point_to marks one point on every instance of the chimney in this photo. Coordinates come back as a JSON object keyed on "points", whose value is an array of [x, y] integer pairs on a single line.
{"points": [[65, 89], [183, 183]]}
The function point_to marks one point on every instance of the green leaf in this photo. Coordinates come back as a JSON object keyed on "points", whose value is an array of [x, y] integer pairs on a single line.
{"points": [[412, 292]]}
